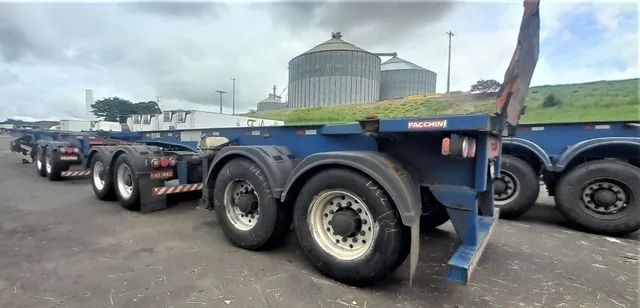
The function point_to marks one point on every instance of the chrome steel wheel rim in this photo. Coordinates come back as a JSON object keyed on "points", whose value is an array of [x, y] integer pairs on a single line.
{"points": [[47, 163], [97, 172], [124, 177], [325, 207], [512, 189], [243, 219], [592, 203]]}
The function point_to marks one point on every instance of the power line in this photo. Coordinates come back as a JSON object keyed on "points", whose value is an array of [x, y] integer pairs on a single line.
{"points": [[221, 92], [233, 95], [450, 34]]}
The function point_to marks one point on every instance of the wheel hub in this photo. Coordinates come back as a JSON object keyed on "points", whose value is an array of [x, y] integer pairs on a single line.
{"points": [[247, 203], [241, 204], [505, 188], [499, 186], [124, 181], [604, 197], [345, 223], [341, 224]]}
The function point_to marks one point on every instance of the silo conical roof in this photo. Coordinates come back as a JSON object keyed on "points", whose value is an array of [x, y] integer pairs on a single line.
{"points": [[396, 63], [335, 43]]}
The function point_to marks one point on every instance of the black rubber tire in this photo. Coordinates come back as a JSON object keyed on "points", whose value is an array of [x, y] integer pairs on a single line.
{"points": [[527, 192], [432, 217], [273, 218], [107, 193], [133, 202], [57, 166], [387, 252], [571, 205], [39, 157]]}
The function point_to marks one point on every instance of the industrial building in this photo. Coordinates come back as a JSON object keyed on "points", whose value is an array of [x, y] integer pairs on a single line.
{"points": [[333, 73], [272, 102], [400, 78]]}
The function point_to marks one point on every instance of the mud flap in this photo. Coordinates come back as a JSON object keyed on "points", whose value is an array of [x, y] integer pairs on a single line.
{"points": [[148, 201], [414, 252]]}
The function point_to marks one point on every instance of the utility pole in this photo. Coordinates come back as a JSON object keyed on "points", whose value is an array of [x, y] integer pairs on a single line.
{"points": [[450, 34], [221, 92], [233, 95]]}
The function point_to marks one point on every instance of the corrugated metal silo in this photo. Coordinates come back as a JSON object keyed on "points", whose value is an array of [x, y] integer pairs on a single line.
{"points": [[333, 73], [400, 78]]}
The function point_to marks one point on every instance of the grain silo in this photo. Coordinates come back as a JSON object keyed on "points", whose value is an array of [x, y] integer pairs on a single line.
{"points": [[333, 73], [400, 78]]}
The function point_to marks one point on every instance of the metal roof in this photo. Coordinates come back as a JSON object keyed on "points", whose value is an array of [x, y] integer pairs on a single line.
{"points": [[271, 99], [335, 43], [396, 63]]}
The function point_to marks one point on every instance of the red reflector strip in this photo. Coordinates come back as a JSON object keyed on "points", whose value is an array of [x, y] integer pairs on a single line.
{"points": [[596, 126], [306, 132], [158, 191]]}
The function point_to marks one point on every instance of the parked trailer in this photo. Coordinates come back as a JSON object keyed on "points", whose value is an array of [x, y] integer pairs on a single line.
{"points": [[57, 154], [592, 170], [358, 194]]}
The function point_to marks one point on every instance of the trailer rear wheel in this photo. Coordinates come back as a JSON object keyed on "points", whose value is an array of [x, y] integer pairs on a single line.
{"points": [[126, 183], [39, 162], [517, 187], [250, 216], [52, 165], [101, 182], [349, 228], [601, 196]]}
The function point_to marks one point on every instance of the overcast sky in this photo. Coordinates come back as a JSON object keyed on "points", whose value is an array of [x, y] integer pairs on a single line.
{"points": [[183, 52]]}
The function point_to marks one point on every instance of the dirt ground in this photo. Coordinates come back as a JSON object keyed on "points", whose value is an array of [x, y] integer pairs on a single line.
{"points": [[61, 247]]}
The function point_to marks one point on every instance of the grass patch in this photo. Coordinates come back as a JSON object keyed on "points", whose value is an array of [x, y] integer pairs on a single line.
{"points": [[615, 100]]}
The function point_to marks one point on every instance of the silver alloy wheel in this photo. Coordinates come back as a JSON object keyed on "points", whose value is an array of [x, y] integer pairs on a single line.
{"points": [[47, 163], [511, 191], [97, 171], [241, 218], [362, 230], [124, 179]]}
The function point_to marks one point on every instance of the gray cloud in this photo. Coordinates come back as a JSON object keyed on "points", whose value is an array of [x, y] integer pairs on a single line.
{"points": [[374, 23], [175, 9]]}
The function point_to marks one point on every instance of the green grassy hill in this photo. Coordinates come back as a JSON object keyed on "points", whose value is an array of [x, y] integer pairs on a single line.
{"points": [[594, 101]]}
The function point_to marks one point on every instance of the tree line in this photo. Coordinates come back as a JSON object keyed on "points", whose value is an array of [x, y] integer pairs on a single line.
{"points": [[116, 109]]}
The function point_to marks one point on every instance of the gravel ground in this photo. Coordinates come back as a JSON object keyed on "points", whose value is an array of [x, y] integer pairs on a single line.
{"points": [[61, 247]]}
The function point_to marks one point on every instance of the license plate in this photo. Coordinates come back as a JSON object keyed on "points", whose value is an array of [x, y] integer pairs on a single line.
{"points": [[161, 174], [68, 157]]}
